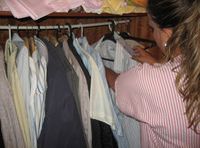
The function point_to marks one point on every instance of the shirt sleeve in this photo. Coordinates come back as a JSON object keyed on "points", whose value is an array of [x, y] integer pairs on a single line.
{"points": [[136, 91], [124, 90]]}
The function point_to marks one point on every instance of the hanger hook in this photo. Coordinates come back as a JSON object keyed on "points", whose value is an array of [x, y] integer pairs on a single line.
{"points": [[69, 34], [38, 30], [82, 29], [17, 29], [129, 26], [58, 28], [112, 26], [10, 36], [58, 31], [27, 32]]}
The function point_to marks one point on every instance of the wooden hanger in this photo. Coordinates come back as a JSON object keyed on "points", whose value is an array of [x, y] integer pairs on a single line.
{"points": [[53, 39]]}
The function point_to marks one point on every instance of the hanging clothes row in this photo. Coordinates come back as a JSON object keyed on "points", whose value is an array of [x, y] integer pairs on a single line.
{"points": [[56, 95]]}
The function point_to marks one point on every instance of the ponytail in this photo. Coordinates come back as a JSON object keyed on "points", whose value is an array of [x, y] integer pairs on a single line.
{"points": [[186, 36]]}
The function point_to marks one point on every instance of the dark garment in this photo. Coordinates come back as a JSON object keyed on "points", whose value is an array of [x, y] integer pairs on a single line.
{"points": [[85, 71], [1, 138], [102, 135], [71, 76], [62, 127]]}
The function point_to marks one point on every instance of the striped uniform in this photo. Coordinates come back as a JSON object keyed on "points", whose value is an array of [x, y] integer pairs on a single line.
{"points": [[148, 93]]}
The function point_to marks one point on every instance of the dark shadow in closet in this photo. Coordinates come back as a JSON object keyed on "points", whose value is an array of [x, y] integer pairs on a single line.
{"points": [[1, 139]]}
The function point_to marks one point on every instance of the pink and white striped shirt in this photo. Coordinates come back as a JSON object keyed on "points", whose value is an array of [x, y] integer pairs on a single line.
{"points": [[148, 93]]}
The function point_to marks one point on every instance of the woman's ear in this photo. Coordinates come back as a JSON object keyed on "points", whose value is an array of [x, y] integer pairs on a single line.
{"points": [[167, 31]]}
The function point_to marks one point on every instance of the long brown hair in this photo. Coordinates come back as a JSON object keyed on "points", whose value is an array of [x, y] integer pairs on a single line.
{"points": [[187, 37]]}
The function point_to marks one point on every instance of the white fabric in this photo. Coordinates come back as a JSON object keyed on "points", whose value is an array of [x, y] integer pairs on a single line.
{"points": [[37, 8], [38, 67], [93, 6], [3, 6]]}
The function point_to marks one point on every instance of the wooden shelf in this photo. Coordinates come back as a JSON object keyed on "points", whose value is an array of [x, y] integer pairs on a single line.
{"points": [[5, 13], [79, 14]]}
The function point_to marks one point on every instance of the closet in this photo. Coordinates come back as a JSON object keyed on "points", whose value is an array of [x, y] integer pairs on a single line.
{"points": [[137, 27]]}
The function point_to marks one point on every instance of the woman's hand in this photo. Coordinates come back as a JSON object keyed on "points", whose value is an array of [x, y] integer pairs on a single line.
{"points": [[111, 77], [143, 56]]}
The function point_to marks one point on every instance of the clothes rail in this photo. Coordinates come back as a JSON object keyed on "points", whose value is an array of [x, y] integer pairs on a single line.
{"points": [[68, 26], [61, 26]]}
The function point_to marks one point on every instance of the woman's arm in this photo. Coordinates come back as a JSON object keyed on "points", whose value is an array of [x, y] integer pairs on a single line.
{"points": [[140, 55], [111, 77]]}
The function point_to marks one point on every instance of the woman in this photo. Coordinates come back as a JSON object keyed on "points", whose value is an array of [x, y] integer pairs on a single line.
{"points": [[165, 97]]}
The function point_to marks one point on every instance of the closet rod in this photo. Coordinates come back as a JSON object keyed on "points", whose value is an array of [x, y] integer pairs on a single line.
{"points": [[62, 26]]}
